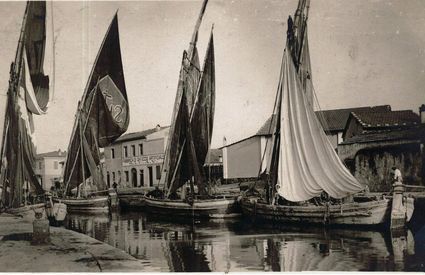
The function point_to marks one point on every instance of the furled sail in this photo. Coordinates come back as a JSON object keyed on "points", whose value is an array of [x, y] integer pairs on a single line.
{"points": [[308, 164], [297, 45], [103, 114], [39, 96], [28, 94], [180, 157]]}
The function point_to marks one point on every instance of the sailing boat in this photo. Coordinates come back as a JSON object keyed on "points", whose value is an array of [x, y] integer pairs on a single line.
{"points": [[102, 117], [28, 94], [303, 164], [189, 140]]}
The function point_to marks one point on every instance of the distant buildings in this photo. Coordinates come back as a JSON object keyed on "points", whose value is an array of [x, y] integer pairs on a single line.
{"points": [[370, 140], [49, 168], [245, 158], [136, 159]]}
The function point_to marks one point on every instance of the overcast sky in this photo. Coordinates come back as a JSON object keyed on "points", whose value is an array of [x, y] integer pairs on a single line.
{"points": [[363, 53]]}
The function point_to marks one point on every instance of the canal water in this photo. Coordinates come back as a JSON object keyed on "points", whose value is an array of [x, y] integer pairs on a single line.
{"points": [[237, 245]]}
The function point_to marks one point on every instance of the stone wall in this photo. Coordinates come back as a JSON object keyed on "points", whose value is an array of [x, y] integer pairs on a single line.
{"points": [[373, 166]]}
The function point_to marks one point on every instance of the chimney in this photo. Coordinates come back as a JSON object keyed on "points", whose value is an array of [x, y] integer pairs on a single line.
{"points": [[422, 113], [157, 128], [224, 141]]}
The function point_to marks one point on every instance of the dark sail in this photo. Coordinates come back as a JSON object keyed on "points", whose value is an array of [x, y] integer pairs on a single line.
{"points": [[177, 168], [28, 94], [196, 141], [103, 114], [202, 118]]}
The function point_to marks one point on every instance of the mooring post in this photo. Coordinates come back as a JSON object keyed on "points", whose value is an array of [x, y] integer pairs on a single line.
{"points": [[398, 210], [41, 229]]}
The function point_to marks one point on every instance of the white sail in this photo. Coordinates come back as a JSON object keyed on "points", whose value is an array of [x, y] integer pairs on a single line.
{"points": [[308, 163]]}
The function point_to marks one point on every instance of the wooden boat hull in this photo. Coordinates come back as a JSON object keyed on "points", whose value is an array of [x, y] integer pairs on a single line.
{"points": [[356, 213], [133, 198], [94, 205], [28, 211], [219, 208]]}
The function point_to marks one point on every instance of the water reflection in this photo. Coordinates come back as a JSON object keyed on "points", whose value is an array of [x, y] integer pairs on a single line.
{"points": [[238, 246]]}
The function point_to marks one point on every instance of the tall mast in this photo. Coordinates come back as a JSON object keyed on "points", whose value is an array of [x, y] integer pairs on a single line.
{"points": [[195, 31]]}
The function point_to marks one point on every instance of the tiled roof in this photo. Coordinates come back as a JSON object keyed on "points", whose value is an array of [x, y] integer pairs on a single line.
{"points": [[57, 153], [334, 120], [138, 135], [213, 156], [413, 133], [386, 119]]}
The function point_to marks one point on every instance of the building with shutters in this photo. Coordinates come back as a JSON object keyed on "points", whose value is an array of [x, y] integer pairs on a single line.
{"points": [[136, 159]]}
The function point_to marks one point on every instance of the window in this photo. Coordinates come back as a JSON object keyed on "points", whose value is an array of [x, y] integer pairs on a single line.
{"points": [[126, 176], [158, 172], [39, 165], [133, 150], [125, 152], [113, 153], [108, 179], [113, 176], [141, 149], [55, 165]]}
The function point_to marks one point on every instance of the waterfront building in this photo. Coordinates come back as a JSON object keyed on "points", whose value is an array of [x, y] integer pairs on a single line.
{"points": [[136, 159], [251, 149], [49, 168], [377, 141]]}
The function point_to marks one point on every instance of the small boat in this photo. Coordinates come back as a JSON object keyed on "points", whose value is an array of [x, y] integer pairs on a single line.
{"points": [[217, 207], [133, 198], [102, 117], [189, 141], [306, 182], [95, 204], [29, 93], [371, 212]]}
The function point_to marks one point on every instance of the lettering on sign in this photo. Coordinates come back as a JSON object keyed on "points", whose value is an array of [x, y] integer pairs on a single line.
{"points": [[143, 160]]}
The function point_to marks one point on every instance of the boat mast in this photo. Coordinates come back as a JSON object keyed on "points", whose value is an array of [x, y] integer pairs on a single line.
{"points": [[195, 31]]}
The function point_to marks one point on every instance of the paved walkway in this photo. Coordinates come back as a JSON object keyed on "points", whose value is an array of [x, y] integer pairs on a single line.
{"points": [[67, 251]]}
